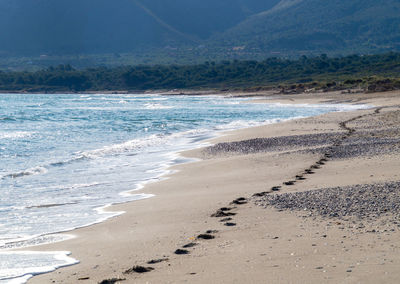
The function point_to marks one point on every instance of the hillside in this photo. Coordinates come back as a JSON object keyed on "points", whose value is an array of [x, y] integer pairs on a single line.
{"points": [[109, 26], [316, 26], [109, 32]]}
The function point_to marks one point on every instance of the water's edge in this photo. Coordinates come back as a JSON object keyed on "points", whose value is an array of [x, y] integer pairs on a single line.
{"points": [[62, 259]]}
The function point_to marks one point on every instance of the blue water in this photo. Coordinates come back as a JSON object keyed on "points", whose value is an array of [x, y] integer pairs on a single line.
{"points": [[65, 157]]}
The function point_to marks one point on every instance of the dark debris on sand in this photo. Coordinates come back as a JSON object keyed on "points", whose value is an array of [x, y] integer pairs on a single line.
{"points": [[239, 201], [181, 251], [368, 201], [138, 269], [154, 261], [189, 245], [222, 213], [225, 219], [205, 236], [112, 280]]}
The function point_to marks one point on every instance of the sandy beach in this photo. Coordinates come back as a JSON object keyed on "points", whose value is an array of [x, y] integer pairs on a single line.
{"points": [[313, 200]]}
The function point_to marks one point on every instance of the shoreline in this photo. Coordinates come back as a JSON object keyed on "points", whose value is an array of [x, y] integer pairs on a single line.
{"points": [[98, 264], [193, 92]]}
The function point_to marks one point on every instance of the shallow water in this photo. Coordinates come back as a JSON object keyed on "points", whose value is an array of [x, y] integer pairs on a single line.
{"points": [[65, 157]]}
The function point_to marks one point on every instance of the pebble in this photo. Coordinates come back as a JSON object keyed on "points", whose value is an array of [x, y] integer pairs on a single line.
{"points": [[273, 143], [367, 201]]}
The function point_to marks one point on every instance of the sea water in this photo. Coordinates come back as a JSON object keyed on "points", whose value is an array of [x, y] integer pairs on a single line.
{"points": [[66, 157]]}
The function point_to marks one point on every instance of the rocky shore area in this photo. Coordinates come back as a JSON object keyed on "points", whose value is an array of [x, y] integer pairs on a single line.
{"points": [[368, 135], [361, 203]]}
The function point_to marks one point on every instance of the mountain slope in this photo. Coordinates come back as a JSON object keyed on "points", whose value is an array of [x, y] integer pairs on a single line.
{"points": [[312, 26], [192, 29], [87, 26]]}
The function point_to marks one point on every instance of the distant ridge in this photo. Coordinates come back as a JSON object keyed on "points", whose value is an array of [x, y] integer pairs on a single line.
{"points": [[317, 26], [189, 30], [165, 24], [32, 27], [284, 4]]}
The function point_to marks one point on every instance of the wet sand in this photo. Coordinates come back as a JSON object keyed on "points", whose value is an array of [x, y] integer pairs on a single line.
{"points": [[312, 200]]}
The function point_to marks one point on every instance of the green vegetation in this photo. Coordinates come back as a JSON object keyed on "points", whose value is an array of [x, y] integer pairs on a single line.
{"points": [[372, 72]]}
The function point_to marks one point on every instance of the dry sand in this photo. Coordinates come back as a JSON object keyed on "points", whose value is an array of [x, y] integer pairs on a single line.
{"points": [[267, 245]]}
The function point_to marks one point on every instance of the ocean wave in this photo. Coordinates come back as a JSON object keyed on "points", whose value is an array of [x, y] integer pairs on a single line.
{"points": [[28, 172], [238, 124], [156, 106], [72, 186], [127, 146], [34, 240], [232, 102], [79, 185], [7, 118], [11, 208], [149, 98], [15, 135], [142, 143]]}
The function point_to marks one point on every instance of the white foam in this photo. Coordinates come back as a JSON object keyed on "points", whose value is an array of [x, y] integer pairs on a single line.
{"points": [[18, 267], [232, 102], [102, 211], [32, 241], [157, 106], [130, 145], [139, 143], [147, 98], [28, 172], [18, 280], [78, 185], [15, 135], [237, 124]]}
